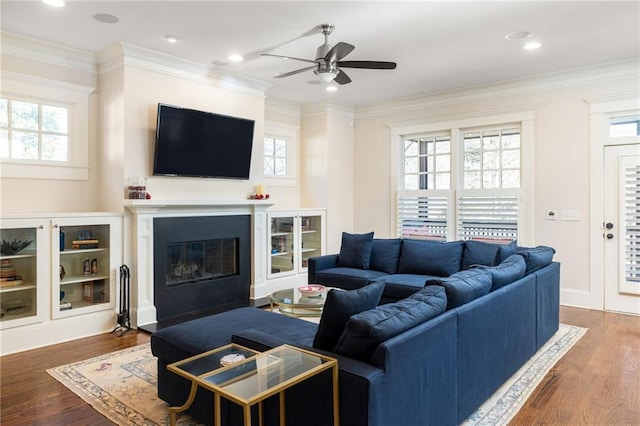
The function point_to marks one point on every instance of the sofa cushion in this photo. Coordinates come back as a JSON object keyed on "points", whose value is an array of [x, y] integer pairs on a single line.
{"points": [[511, 269], [355, 251], [401, 286], [347, 278], [385, 254], [480, 253], [464, 286], [339, 306], [430, 258], [507, 250], [366, 330], [536, 257]]}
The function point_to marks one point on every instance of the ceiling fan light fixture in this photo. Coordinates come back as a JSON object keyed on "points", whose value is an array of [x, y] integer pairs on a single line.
{"points": [[326, 77]]}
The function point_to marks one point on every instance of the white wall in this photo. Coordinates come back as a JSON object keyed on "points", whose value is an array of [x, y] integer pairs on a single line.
{"points": [[561, 152]]}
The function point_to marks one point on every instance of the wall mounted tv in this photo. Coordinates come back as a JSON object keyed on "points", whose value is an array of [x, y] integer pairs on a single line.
{"points": [[202, 144]]}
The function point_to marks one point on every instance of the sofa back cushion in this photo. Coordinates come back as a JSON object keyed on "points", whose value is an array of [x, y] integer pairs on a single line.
{"points": [[430, 258], [464, 286], [486, 253], [536, 257], [355, 251], [366, 330], [339, 307], [385, 254], [508, 271]]}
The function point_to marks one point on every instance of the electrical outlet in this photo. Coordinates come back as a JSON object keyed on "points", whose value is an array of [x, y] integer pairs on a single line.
{"points": [[551, 215], [570, 215]]}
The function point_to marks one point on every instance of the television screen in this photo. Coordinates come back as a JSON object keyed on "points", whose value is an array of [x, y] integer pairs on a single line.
{"points": [[202, 144]]}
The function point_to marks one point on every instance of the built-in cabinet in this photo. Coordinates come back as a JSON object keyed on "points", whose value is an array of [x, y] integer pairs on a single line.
{"points": [[23, 272], [294, 237], [55, 268]]}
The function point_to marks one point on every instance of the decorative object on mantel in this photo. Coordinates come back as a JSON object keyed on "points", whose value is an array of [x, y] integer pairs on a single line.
{"points": [[13, 247], [8, 274], [137, 187], [260, 193]]}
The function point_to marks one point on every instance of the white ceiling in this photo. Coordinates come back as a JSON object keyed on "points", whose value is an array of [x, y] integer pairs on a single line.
{"points": [[438, 46]]}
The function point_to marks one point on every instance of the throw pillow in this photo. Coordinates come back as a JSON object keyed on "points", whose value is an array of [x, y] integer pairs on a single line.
{"points": [[536, 257], [464, 286], [366, 330], [507, 250], [339, 307], [422, 257], [355, 251]]}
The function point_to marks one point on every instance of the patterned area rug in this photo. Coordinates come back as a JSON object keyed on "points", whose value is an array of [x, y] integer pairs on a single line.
{"points": [[122, 385]]}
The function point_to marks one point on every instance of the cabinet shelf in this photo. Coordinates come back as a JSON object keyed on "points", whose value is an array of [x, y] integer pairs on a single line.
{"points": [[79, 251], [307, 250], [74, 279], [284, 253], [22, 255], [281, 234], [308, 231], [19, 287]]}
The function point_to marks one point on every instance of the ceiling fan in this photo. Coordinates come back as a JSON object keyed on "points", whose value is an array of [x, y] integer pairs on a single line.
{"points": [[329, 60]]}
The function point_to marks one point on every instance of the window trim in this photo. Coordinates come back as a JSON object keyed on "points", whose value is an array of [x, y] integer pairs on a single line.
{"points": [[526, 120], [49, 92]]}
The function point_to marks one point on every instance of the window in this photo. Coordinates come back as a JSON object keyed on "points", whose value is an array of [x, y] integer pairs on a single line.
{"points": [[44, 128], [275, 156], [33, 131], [462, 182], [621, 127]]}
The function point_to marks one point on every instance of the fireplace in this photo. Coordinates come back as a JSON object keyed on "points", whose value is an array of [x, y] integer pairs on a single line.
{"points": [[202, 264]]}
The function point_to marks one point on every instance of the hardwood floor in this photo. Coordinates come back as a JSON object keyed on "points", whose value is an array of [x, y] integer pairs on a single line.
{"points": [[596, 383]]}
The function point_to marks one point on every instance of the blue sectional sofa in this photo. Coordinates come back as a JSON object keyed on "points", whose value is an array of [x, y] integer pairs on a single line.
{"points": [[443, 339]]}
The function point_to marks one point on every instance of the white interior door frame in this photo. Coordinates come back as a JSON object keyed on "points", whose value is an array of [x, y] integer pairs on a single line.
{"points": [[601, 110]]}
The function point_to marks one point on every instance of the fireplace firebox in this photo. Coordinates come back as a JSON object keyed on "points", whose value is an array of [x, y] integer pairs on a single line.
{"points": [[202, 264]]}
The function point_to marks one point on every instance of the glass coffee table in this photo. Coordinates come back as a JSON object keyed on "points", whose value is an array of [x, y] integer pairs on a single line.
{"points": [[294, 304], [253, 379]]}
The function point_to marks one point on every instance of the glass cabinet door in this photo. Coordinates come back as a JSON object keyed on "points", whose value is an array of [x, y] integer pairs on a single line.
{"points": [[21, 270], [83, 269], [282, 245], [310, 238]]}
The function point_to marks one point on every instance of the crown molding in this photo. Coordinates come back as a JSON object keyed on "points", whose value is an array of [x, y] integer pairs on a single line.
{"points": [[281, 106], [42, 51], [124, 54], [542, 82], [45, 84], [328, 108]]}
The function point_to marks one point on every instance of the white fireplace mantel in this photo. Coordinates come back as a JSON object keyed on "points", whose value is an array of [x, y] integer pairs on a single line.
{"points": [[139, 230]]}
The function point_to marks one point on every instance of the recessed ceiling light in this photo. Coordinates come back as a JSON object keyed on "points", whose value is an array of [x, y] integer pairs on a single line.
{"points": [[518, 35], [54, 3], [235, 58], [105, 18], [171, 38], [532, 45], [331, 88]]}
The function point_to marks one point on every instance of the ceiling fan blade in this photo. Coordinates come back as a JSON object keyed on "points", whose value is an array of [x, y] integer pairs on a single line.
{"points": [[338, 52], [288, 57], [372, 65], [287, 74], [342, 78]]}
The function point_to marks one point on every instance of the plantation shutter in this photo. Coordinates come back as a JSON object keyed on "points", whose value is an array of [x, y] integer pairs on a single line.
{"points": [[423, 216], [632, 224], [488, 217]]}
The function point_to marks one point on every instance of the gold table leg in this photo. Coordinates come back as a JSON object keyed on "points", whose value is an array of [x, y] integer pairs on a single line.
{"points": [[336, 398], [216, 407], [282, 419], [174, 410]]}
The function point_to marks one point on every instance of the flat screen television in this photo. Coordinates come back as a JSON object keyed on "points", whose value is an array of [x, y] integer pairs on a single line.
{"points": [[202, 144]]}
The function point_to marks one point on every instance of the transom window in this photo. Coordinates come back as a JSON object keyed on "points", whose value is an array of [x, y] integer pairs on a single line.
{"points": [[621, 127], [427, 162], [275, 156], [33, 131], [492, 159]]}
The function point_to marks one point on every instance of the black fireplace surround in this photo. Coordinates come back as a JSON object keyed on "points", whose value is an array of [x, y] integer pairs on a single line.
{"points": [[201, 264]]}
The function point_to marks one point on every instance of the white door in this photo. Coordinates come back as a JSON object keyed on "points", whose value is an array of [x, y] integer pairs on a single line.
{"points": [[622, 228]]}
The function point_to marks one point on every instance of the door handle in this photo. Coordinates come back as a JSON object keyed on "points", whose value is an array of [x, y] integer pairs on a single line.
{"points": [[609, 225], [609, 236]]}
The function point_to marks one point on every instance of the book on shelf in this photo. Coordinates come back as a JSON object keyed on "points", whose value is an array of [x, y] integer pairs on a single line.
{"points": [[64, 306], [84, 246]]}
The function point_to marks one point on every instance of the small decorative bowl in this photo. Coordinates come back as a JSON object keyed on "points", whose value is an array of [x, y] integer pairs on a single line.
{"points": [[311, 290]]}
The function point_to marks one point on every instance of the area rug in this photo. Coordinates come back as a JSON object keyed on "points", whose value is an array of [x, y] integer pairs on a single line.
{"points": [[122, 385]]}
